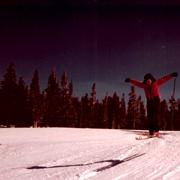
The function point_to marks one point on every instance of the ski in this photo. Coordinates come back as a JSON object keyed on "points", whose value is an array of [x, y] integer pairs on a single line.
{"points": [[143, 137]]}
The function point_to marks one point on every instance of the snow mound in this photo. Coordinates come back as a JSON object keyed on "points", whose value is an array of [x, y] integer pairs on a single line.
{"points": [[79, 154]]}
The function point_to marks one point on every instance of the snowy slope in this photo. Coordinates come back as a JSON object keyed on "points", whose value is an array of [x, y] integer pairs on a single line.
{"points": [[78, 154]]}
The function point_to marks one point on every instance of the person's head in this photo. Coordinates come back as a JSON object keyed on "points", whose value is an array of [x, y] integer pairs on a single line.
{"points": [[149, 79]]}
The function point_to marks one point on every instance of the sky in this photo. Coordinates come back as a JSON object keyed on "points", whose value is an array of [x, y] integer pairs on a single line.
{"points": [[93, 41]]}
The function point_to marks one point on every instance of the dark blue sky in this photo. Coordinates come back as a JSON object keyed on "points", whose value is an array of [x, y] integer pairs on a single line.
{"points": [[92, 42]]}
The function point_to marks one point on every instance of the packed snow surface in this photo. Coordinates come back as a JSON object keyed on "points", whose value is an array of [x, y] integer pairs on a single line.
{"points": [[79, 154]]}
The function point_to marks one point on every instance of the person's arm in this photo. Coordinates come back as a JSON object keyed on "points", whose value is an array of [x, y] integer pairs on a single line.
{"points": [[166, 78], [135, 82]]}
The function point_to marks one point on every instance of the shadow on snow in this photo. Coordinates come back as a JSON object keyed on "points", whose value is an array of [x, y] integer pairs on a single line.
{"points": [[113, 162]]}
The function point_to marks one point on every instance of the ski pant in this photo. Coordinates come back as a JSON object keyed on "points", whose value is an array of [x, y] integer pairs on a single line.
{"points": [[153, 112]]}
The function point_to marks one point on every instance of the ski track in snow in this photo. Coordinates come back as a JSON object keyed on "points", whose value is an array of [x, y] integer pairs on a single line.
{"points": [[93, 154]]}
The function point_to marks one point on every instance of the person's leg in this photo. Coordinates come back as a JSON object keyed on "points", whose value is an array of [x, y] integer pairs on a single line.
{"points": [[156, 114], [150, 117]]}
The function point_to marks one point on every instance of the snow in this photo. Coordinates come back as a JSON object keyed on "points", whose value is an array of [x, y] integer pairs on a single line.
{"points": [[79, 154]]}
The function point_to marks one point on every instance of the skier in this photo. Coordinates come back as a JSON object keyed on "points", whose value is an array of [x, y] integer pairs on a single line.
{"points": [[151, 89]]}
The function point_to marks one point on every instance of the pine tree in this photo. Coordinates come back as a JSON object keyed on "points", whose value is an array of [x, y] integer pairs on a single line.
{"points": [[132, 114], [51, 98], [64, 85], [123, 123], [1, 108], [143, 124], [99, 114], [178, 115], [173, 106], [105, 112], [35, 99], [9, 97], [93, 94], [76, 112], [93, 113], [70, 89], [72, 115], [164, 114], [110, 113], [85, 112], [23, 112], [66, 108], [116, 111]]}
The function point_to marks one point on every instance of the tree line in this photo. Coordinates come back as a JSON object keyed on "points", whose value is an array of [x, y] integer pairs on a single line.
{"points": [[56, 106]]}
